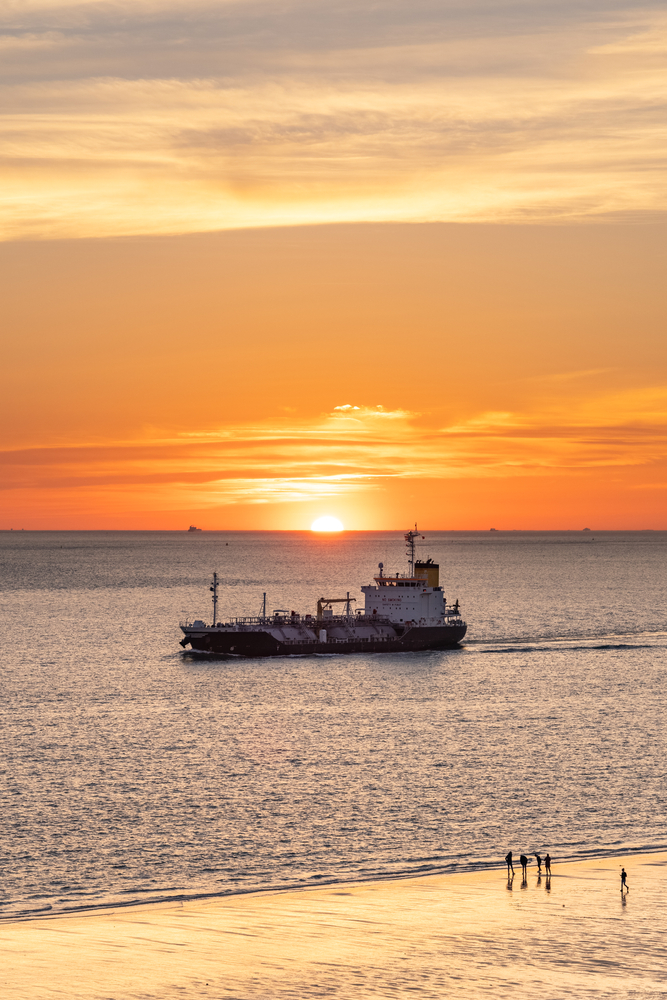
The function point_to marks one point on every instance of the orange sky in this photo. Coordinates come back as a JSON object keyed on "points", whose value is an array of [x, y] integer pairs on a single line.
{"points": [[390, 264]]}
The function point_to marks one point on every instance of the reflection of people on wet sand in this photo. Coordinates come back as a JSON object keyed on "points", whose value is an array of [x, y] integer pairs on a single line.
{"points": [[508, 862], [547, 864], [539, 864], [624, 884], [524, 865]]}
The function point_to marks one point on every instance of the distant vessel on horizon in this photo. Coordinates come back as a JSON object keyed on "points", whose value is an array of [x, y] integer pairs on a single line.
{"points": [[193, 528], [402, 613]]}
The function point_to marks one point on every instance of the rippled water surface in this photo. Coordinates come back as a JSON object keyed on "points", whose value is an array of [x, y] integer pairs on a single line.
{"points": [[132, 771]]}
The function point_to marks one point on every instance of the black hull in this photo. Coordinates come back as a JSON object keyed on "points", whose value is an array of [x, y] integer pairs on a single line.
{"points": [[261, 644]]}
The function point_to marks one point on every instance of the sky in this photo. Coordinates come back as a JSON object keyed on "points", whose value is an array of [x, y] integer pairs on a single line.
{"points": [[388, 261]]}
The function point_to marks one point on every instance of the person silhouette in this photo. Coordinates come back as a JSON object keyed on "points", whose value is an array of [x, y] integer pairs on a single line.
{"points": [[508, 862], [539, 864], [547, 864], [624, 884], [524, 864]]}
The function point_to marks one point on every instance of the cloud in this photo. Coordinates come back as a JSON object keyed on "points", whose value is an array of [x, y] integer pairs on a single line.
{"points": [[344, 453], [611, 430], [167, 117]]}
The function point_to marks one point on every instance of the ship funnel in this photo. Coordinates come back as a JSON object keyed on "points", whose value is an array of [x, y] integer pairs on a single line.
{"points": [[428, 571]]}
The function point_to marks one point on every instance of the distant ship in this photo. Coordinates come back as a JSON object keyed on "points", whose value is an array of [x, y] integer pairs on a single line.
{"points": [[192, 528], [401, 613]]}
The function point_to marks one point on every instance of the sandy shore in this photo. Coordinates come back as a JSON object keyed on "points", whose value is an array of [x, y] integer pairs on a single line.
{"points": [[461, 936]]}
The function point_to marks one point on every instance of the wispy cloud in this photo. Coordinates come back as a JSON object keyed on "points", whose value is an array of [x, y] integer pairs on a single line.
{"points": [[350, 452], [167, 117]]}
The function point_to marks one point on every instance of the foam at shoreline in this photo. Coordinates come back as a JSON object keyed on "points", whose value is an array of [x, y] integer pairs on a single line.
{"points": [[11, 912], [466, 935]]}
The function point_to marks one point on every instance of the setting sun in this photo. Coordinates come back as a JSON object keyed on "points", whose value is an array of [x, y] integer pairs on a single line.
{"points": [[326, 524]]}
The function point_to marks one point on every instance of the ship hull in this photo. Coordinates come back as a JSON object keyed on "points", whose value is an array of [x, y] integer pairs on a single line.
{"points": [[260, 643]]}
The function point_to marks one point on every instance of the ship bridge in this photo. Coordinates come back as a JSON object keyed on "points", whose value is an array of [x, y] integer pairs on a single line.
{"points": [[409, 598], [404, 599], [415, 597]]}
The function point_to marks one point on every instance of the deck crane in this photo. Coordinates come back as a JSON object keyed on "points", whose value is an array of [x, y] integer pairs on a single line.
{"points": [[334, 600]]}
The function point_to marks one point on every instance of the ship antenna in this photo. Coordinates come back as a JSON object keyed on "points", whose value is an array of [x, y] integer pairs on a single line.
{"points": [[410, 546], [264, 606], [214, 591]]}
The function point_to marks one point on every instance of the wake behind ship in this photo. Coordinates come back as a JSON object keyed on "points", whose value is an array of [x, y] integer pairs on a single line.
{"points": [[401, 613]]}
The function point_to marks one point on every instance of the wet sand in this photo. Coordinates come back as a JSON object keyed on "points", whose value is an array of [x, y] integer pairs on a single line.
{"points": [[461, 936]]}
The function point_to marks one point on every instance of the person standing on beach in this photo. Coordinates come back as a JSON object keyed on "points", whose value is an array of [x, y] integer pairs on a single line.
{"points": [[524, 864], [508, 862], [539, 864], [547, 864], [624, 884]]}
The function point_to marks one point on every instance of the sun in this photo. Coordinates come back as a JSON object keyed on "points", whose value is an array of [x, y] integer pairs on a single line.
{"points": [[327, 524]]}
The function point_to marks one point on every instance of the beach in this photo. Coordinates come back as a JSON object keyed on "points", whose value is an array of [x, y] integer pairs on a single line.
{"points": [[464, 935]]}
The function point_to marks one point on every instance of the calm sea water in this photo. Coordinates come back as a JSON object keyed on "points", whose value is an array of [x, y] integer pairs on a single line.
{"points": [[132, 771]]}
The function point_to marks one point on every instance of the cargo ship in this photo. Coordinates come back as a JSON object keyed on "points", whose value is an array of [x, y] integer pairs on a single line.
{"points": [[401, 613]]}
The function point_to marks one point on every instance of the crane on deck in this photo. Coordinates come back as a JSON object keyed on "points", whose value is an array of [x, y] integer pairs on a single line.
{"points": [[323, 601]]}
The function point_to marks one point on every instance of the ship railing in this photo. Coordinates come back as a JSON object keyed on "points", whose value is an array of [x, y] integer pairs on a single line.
{"points": [[303, 621], [451, 614]]}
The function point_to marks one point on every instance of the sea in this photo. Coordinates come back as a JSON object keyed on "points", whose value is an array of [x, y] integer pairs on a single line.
{"points": [[132, 771]]}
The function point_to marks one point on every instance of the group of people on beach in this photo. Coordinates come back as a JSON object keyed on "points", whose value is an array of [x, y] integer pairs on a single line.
{"points": [[523, 860]]}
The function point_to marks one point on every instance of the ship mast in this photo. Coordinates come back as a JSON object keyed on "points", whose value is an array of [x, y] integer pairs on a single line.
{"points": [[214, 591], [410, 546]]}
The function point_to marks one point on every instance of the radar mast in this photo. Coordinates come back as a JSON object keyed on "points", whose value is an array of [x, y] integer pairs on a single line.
{"points": [[214, 591], [410, 546]]}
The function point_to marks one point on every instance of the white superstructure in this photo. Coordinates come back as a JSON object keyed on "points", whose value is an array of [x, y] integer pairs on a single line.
{"points": [[404, 599], [415, 597]]}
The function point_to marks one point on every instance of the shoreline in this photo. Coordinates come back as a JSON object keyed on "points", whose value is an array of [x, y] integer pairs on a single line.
{"points": [[446, 870], [464, 935]]}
